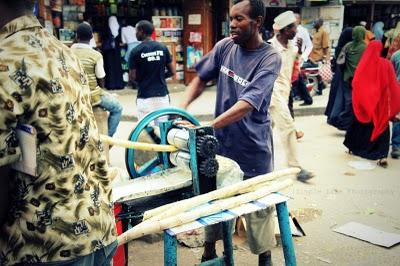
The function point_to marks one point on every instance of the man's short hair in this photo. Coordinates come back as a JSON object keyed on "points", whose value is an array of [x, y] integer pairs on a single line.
{"points": [[145, 26], [84, 32], [257, 8]]}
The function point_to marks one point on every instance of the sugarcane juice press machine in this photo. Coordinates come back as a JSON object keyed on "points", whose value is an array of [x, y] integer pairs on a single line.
{"points": [[162, 179]]}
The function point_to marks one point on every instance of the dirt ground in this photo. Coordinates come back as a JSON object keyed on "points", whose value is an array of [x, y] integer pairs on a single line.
{"points": [[337, 195]]}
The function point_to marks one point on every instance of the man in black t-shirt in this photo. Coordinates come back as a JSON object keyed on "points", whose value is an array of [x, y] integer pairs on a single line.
{"points": [[150, 63]]}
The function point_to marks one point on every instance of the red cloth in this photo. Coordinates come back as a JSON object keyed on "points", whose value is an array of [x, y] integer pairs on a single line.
{"points": [[376, 91]]}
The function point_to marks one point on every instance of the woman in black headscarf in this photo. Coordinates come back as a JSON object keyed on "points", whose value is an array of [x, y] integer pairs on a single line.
{"points": [[335, 101]]}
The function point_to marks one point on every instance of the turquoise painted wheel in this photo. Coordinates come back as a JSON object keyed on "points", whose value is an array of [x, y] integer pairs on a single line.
{"points": [[140, 163]]}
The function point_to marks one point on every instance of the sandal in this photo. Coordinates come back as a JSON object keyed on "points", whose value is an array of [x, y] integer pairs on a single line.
{"points": [[383, 163]]}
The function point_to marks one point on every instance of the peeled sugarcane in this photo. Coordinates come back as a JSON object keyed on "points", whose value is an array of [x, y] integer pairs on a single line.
{"points": [[190, 216], [138, 145], [228, 191]]}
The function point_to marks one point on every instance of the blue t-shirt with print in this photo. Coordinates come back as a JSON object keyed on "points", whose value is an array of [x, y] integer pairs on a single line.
{"points": [[247, 75]]}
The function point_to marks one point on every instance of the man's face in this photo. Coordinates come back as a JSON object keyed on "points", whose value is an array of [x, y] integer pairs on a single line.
{"points": [[242, 26], [290, 31]]}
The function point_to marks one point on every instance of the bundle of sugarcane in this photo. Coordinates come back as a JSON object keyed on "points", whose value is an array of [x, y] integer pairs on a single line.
{"points": [[138, 145], [238, 188], [192, 215]]}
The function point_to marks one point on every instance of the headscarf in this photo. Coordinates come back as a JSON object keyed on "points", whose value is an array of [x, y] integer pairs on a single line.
{"points": [[376, 92], [396, 63], [377, 29], [392, 34], [354, 52], [345, 37], [394, 47], [113, 25]]}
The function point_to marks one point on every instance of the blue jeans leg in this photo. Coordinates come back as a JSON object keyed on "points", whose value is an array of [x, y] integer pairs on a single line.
{"points": [[111, 104], [396, 135]]}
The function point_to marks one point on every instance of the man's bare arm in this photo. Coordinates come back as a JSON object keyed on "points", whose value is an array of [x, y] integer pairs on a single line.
{"points": [[4, 193], [193, 91], [101, 82], [132, 75], [170, 71], [233, 114]]}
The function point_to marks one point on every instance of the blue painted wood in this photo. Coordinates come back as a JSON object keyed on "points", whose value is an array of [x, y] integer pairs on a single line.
{"points": [[286, 234], [193, 162], [164, 156], [227, 238], [170, 250]]}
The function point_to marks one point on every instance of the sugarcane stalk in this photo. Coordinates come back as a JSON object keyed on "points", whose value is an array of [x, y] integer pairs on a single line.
{"points": [[138, 145], [228, 191], [190, 216]]}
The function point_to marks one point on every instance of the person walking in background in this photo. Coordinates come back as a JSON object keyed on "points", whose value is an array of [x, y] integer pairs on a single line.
{"points": [[395, 46], [320, 42], [245, 68], [92, 62], [320, 51], [298, 86], [286, 26], [112, 56], [302, 33], [391, 35], [348, 59], [60, 212], [337, 100], [150, 63], [377, 29], [396, 124], [369, 35], [376, 100], [128, 38]]}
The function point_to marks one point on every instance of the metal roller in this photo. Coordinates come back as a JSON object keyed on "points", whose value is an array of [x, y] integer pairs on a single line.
{"points": [[180, 158], [179, 138]]}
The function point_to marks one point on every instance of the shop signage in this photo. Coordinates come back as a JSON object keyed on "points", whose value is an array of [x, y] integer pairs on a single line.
{"points": [[194, 19]]}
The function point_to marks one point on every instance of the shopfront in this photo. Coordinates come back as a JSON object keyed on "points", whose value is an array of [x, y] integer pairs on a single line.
{"points": [[372, 11], [189, 28]]}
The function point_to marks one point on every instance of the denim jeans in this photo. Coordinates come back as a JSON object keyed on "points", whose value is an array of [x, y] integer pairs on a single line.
{"points": [[111, 104], [101, 257], [396, 135]]}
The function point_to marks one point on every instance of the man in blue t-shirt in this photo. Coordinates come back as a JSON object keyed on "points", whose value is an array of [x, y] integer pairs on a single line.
{"points": [[246, 69], [150, 64]]}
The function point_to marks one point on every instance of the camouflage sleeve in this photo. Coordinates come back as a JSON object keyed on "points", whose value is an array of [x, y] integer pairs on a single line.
{"points": [[10, 109]]}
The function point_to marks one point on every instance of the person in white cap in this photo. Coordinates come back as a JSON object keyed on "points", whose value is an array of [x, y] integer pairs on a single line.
{"points": [[285, 25]]}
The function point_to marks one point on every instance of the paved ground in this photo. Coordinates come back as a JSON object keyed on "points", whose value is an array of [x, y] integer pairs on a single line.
{"points": [[338, 194], [203, 107]]}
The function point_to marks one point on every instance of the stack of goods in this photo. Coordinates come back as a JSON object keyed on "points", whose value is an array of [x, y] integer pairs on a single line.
{"points": [[72, 15]]}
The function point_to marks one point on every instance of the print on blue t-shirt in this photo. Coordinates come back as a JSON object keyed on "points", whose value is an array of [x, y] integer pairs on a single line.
{"points": [[150, 59]]}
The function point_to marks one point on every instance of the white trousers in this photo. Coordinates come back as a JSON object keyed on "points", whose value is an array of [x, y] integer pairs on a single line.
{"points": [[145, 106], [283, 121]]}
